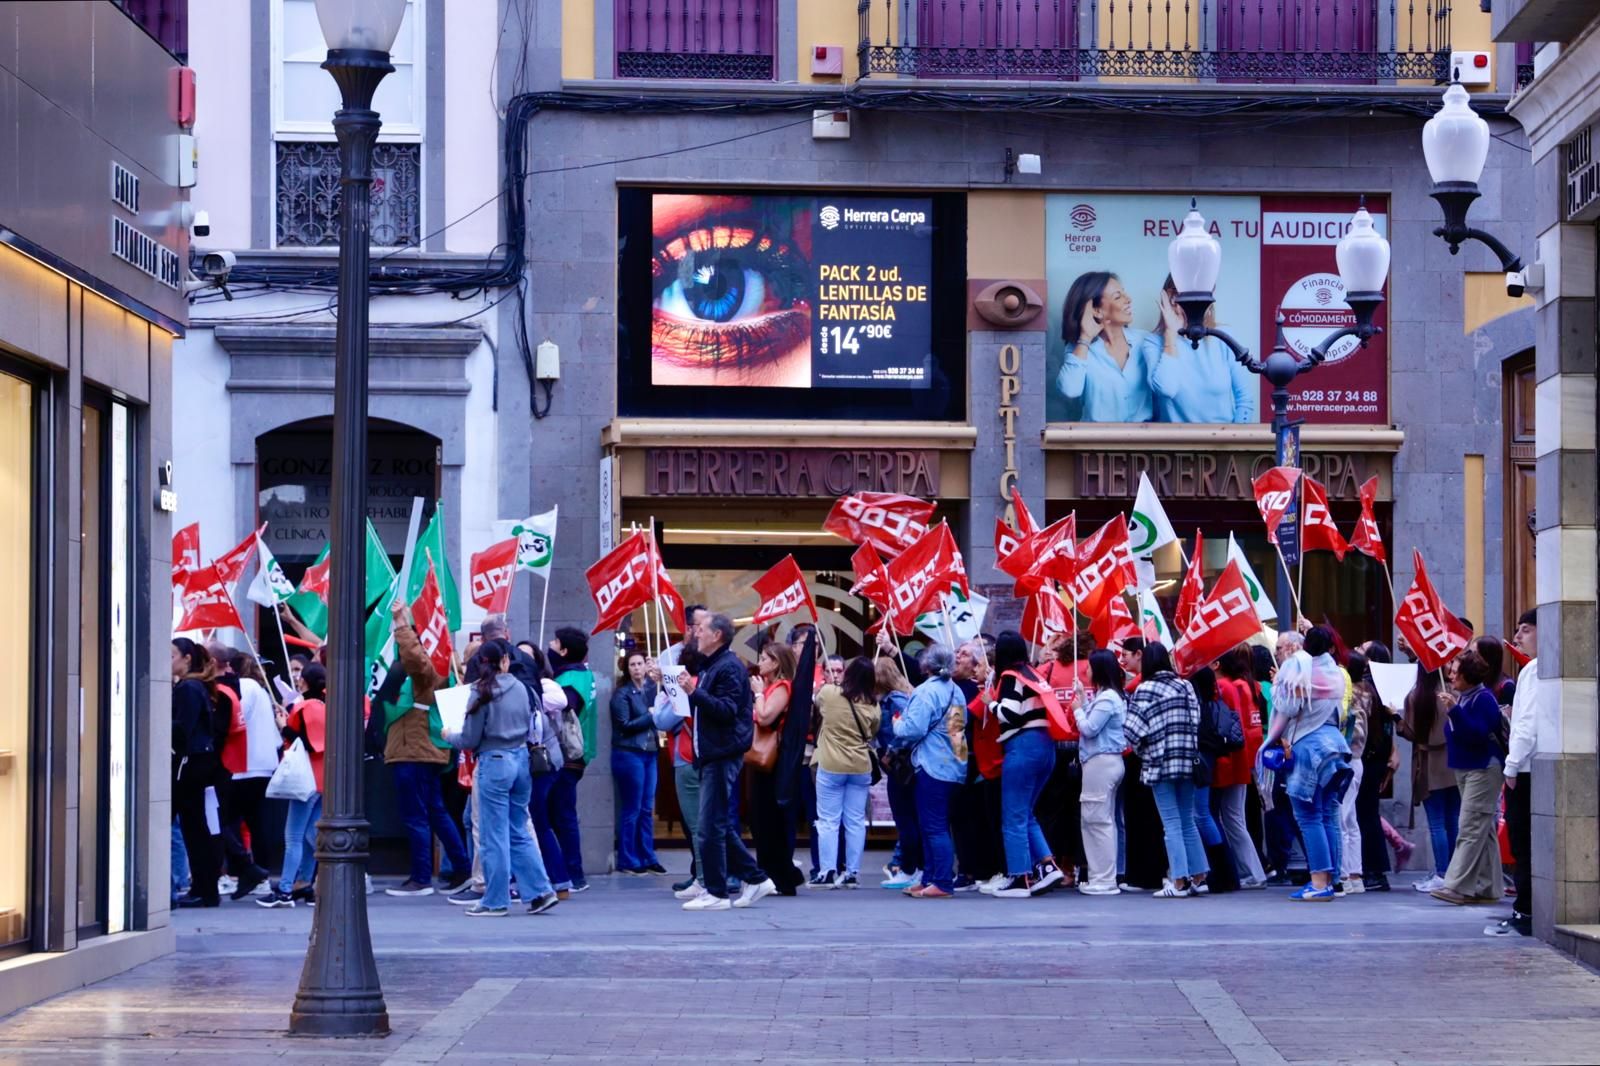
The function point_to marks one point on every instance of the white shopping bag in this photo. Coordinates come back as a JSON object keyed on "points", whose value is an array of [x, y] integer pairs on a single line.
{"points": [[293, 779]]}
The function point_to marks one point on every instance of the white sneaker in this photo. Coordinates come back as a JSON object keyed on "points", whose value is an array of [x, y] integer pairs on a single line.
{"points": [[707, 902], [994, 884], [1088, 888], [750, 893], [1430, 884], [226, 885], [903, 879], [694, 891], [1353, 885]]}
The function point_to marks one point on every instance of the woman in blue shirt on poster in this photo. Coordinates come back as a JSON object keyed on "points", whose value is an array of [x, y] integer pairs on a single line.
{"points": [[1204, 384], [1104, 369]]}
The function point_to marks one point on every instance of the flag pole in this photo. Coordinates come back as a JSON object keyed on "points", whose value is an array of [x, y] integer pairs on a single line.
{"points": [[255, 654], [655, 585], [1292, 589], [545, 600], [413, 530]]}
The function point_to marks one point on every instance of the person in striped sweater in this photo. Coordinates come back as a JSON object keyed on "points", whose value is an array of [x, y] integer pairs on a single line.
{"points": [[1019, 707]]}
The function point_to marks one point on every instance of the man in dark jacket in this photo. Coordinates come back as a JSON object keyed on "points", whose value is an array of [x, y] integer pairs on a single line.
{"points": [[723, 725]]}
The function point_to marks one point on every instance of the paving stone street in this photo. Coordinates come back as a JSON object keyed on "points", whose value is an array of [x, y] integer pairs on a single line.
{"points": [[621, 974]]}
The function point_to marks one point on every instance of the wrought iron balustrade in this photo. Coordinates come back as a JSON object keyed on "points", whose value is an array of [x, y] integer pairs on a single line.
{"points": [[715, 39], [308, 194], [1283, 41]]}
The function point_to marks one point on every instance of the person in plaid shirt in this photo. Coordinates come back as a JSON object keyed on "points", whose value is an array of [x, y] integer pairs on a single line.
{"points": [[1163, 725]]}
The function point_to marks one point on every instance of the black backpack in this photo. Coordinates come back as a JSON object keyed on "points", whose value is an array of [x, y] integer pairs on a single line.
{"points": [[1220, 729]]}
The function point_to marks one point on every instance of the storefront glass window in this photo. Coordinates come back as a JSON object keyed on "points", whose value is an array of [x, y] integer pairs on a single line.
{"points": [[16, 606]]}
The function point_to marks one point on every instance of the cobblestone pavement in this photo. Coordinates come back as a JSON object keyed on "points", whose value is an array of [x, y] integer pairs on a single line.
{"points": [[620, 974]]}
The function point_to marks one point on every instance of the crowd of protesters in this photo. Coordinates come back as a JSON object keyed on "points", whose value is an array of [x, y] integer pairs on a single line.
{"points": [[1011, 769]]}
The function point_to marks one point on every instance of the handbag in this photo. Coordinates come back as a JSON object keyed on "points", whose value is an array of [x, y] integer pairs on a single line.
{"points": [[539, 759], [763, 753], [293, 779], [872, 754]]}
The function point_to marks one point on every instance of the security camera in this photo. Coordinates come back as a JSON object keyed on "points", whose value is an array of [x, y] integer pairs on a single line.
{"points": [[1516, 283], [216, 266], [202, 224]]}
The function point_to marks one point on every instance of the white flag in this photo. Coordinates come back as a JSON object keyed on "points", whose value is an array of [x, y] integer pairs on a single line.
{"points": [[271, 585], [1151, 624], [536, 541], [1148, 528], [1258, 594], [965, 613]]}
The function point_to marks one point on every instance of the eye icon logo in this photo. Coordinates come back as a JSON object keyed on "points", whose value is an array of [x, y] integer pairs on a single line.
{"points": [[1324, 296], [829, 217], [1082, 217]]}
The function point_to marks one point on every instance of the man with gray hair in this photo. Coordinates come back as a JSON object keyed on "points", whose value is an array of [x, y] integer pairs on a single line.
{"points": [[724, 725], [1289, 642]]}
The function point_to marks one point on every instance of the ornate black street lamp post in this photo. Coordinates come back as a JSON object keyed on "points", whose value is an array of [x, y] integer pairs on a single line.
{"points": [[339, 991]]}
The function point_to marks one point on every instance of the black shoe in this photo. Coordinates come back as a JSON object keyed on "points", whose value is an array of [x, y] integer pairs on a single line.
{"points": [[306, 893], [823, 880], [1021, 886], [1520, 924], [1376, 883], [655, 868], [849, 881], [248, 884], [455, 884], [543, 903], [681, 886], [1279, 879], [196, 901], [275, 899]]}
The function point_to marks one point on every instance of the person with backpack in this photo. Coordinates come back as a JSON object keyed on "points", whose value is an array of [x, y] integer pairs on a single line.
{"points": [[1163, 723], [1235, 773], [1101, 742], [1021, 707], [1475, 740], [1307, 696], [1221, 735], [307, 723], [195, 769], [568, 657], [933, 729]]}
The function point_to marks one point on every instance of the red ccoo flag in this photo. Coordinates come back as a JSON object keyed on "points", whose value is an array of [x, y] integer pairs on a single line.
{"points": [[867, 565], [1013, 552], [921, 575], [1054, 556], [1026, 526], [890, 521], [432, 623], [1367, 539], [1114, 622], [185, 552], [1318, 533], [1274, 493], [206, 603], [492, 572], [1436, 636], [1221, 622], [629, 577], [1194, 586], [1105, 567], [1045, 616], [231, 565], [782, 589]]}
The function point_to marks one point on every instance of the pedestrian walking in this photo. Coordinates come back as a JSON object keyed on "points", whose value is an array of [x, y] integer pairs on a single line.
{"points": [[307, 723], [1474, 742]]}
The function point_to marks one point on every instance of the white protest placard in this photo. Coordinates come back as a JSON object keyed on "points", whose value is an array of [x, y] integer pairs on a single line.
{"points": [[452, 703], [1393, 681], [668, 662]]}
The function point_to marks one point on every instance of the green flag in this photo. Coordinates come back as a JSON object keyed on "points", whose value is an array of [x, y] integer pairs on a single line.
{"points": [[311, 602], [380, 572], [431, 545]]}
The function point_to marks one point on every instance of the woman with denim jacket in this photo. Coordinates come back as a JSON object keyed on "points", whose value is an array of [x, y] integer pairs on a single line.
{"points": [[1307, 696], [933, 728], [1100, 745], [634, 751], [904, 868]]}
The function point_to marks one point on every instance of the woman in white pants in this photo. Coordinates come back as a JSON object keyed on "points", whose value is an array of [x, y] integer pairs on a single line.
{"points": [[1355, 734], [1100, 749]]}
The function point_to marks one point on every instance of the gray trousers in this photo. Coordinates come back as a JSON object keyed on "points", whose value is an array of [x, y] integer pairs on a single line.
{"points": [[1475, 866], [686, 780]]}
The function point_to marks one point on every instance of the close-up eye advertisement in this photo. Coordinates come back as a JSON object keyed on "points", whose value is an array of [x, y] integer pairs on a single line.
{"points": [[726, 292]]}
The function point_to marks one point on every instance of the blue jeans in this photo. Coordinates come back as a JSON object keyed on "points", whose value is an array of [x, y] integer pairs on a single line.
{"points": [[549, 846], [635, 775], [180, 861], [1030, 756], [841, 797], [933, 817], [1444, 822], [1318, 819], [562, 807], [1185, 854], [903, 807], [300, 842], [416, 786], [1210, 832], [721, 850], [504, 788]]}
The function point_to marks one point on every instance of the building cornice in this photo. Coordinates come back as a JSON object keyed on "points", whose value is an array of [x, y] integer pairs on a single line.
{"points": [[1564, 98]]}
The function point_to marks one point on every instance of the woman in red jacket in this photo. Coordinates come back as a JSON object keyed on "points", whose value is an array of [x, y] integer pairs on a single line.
{"points": [[1233, 778]]}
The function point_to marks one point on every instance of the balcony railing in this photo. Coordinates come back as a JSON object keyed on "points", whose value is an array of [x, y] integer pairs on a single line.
{"points": [[720, 39], [1287, 41]]}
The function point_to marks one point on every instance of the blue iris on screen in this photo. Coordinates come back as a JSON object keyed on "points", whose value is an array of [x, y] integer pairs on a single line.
{"points": [[717, 288]]}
